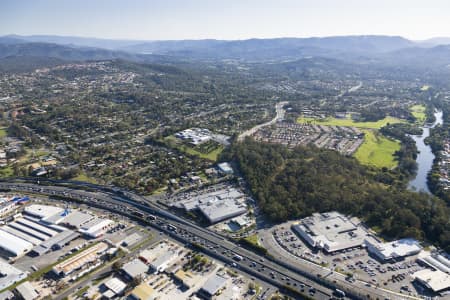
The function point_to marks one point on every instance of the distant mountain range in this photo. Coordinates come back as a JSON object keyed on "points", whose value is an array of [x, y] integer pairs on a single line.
{"points": [[372, 48]]}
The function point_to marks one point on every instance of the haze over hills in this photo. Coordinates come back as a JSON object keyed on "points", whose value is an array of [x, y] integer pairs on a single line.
{"points": [[351, 49]]}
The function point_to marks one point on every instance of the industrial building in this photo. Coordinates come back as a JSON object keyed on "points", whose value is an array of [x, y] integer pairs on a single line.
{"points": [[96, 227], [7, 295], [160, 257], [393, 250], [435, 260], [436, 281], [87, 224], [114, 287], [218, 210], [142, 292], [212, 286], [196, 136], [13, 245], [134, 269], [80, 260], [330, 231], [10, 274], [186, 278], [57, 242], [218, 205], [42, 212], [26, 291], [27, 232]]}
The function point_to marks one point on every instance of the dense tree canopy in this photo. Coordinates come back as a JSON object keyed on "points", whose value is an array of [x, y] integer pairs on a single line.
{"points": [[294, 183]]}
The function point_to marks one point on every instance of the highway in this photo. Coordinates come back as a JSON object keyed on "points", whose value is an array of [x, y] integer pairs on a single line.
{"points": [[209, 242]]}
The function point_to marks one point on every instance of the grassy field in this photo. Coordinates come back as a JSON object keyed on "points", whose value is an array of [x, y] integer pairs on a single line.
{"points": [[211, 155], [85, 178], [6, 172], [350, 123], [377, 150], [418, 111], [2, 132], [253, 239], [176, 143]]}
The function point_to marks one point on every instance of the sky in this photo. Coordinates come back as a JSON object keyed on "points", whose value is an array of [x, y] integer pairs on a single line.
{"points": [[225, 19]]}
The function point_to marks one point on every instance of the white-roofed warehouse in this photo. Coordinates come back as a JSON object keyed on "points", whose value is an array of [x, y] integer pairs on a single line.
{"points": [[14, 245]]}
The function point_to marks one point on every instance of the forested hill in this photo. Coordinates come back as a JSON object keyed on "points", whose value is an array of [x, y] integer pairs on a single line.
{"points": [[290, 184]]}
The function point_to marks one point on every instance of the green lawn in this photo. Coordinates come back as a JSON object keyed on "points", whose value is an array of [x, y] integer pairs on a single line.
{"points": [[418, 111], [377, 150], [350, 123], [211, 155], [2, 132], [253, 239], [6, 172], [85, 178]]}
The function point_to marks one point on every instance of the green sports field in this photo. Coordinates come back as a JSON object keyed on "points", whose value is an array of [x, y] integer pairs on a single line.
{"points": [[350, 123], [418, 111], [377, 150]]}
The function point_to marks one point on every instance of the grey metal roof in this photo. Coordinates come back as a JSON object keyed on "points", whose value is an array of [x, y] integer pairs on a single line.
{"points": [[214, 284], [27, 291], [135, 268]]}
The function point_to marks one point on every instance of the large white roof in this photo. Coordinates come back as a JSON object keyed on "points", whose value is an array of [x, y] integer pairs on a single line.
{"points": [[116, 285], [10, 274], [219, 210], [331, 231], [14, 244], [43, 211], [434, 280], [435, 260], [399, 248], [95, 226]]}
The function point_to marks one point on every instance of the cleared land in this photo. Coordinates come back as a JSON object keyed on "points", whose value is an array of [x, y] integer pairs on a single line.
{"points": [[350, 123], [377, 150], [418, 111]]}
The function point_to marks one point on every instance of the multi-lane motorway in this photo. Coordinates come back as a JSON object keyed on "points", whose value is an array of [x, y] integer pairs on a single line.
{"points": [[205, 240]]}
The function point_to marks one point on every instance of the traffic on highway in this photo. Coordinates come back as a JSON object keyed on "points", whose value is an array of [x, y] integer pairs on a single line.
{"points": [[211, 243]]}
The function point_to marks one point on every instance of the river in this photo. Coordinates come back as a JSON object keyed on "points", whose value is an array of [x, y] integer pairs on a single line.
{"points": [[425, 157]]}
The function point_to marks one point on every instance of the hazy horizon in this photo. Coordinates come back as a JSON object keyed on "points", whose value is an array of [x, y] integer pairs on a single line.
{"points": [[218, 39], [230, 20]]}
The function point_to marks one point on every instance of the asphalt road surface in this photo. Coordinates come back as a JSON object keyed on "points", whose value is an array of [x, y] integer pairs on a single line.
{"points": [[272, 271]]}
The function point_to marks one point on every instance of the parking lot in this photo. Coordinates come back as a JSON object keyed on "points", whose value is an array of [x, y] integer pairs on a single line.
{"points": [[354, 263]]}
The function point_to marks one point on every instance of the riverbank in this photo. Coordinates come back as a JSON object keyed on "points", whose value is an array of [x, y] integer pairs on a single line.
{"points": [[425, 157]]}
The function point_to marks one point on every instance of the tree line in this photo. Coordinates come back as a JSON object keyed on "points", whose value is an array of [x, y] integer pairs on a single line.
{"points": [[292, 184]]}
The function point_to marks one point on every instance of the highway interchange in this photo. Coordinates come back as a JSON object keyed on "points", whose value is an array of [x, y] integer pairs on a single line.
{"points": [[265, 269]]}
